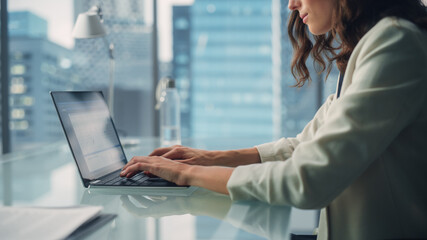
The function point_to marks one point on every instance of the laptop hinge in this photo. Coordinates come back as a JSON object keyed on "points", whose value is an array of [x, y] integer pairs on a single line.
{"points": [[94, 182]]}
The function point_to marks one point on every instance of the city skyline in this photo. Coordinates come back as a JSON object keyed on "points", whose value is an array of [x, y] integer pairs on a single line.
{"points": [[37, 66], [61, 21], [231, 63]]}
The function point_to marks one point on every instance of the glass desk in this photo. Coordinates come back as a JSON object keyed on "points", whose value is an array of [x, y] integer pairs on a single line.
{"points": [[48, 176]]}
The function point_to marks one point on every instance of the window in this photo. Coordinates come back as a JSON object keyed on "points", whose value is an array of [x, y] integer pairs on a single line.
{"points": [[18, 69], [235, 59], [231, 61], [44, 57], [1, 83]]}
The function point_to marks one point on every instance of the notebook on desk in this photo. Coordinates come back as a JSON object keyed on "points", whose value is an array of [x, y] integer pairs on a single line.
{"points": [[96, 146]]}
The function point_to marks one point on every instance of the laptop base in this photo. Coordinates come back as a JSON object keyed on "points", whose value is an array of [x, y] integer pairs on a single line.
{"points": [[152, 191]]}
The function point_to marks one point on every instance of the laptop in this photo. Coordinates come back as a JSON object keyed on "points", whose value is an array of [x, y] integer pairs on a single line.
{"points": [[96, 146]]}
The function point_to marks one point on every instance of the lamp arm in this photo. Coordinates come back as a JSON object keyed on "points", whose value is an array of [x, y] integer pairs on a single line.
{"points": [[111, 75], [110, 47]]}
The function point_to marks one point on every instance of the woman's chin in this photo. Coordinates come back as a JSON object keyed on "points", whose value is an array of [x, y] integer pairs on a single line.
{"points": [[317, 31]]}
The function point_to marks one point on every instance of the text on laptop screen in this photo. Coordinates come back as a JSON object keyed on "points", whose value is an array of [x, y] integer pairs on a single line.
{"points": [[90, 132]]}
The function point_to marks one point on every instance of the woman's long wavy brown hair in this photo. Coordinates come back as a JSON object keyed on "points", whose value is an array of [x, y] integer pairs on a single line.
{"points": [[351, 20]]}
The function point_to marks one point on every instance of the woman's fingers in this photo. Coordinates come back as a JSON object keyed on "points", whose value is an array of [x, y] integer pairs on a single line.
{"points": [[176, 153], [161, 151], [133, 169], [159, 166], [131, 162], [136, 164]]}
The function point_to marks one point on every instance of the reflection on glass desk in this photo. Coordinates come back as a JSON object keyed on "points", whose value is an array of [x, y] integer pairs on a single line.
{"points": [[48, 177]]}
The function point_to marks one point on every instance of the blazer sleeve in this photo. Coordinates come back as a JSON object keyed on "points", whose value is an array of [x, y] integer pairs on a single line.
{"points": [[283, 148], [387, 92]]}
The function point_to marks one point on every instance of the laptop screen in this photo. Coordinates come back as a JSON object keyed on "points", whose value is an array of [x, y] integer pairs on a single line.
{"points": [[90, 132]]}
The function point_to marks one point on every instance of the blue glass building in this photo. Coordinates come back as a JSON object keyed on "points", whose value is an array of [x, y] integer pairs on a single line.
{"points": [[233, 58], [231, 68], [27, 24], [182, 63], [37, 66]]}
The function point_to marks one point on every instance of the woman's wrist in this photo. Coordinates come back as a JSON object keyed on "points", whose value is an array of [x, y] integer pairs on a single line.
{"points": [[234, 158], [214, 178], [189, 174]]}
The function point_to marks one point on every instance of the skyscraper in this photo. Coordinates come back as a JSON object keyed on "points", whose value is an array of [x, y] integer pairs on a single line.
{"points": [[231, 68], [234, 58], [36, 67], [182, 63]]}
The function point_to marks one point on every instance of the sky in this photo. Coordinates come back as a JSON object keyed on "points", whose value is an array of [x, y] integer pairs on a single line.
{"points": [[59, 15]]}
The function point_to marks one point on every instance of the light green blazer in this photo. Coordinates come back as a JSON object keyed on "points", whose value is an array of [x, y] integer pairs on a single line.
{"points": [[363, 157]]}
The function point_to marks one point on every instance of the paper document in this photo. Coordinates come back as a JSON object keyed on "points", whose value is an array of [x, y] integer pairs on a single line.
{"points": [[43, 223]]}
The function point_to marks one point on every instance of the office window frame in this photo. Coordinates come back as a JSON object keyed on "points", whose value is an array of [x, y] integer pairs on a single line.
{"points": [[4, 78]]}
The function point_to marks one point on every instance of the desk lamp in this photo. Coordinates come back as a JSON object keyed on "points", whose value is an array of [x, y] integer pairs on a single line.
{"points": [[89, 25]]}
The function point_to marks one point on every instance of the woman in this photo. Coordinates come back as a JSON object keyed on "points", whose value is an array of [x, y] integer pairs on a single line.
{"points": [[362, 158]]}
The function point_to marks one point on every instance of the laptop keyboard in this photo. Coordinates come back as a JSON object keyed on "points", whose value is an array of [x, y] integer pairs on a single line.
{"points": [[137, 180]]}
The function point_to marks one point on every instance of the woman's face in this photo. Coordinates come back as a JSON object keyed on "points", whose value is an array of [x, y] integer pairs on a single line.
{"points": [[317, 14]]}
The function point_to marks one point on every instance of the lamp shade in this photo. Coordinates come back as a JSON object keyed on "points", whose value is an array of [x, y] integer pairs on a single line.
{"points": [[88, 25]]}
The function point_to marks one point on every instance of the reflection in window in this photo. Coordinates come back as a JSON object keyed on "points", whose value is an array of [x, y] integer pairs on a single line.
{"points": [[17, 80], [19, 125], [17, 56], [18, 69], [17, 113], [65, 63], [181, 24], [18, 89]]}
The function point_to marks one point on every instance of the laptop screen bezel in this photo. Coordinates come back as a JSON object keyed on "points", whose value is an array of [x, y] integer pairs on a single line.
{"points": [[72, 144]]}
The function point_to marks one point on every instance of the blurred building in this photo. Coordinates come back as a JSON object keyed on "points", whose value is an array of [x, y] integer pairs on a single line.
{"points": [[232, 62], [37, 66], [228, 56], [181, 64]]}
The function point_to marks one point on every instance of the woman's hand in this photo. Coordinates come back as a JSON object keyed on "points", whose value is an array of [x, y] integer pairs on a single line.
{"points": [[189, 155], [170, 170], [213, 178]]}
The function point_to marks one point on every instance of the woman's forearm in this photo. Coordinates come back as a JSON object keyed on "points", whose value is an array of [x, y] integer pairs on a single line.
{"points": [[213, 178], [234, 158]]}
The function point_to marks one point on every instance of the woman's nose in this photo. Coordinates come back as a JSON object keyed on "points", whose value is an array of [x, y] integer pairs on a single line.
{"points": [[294, 5]]}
